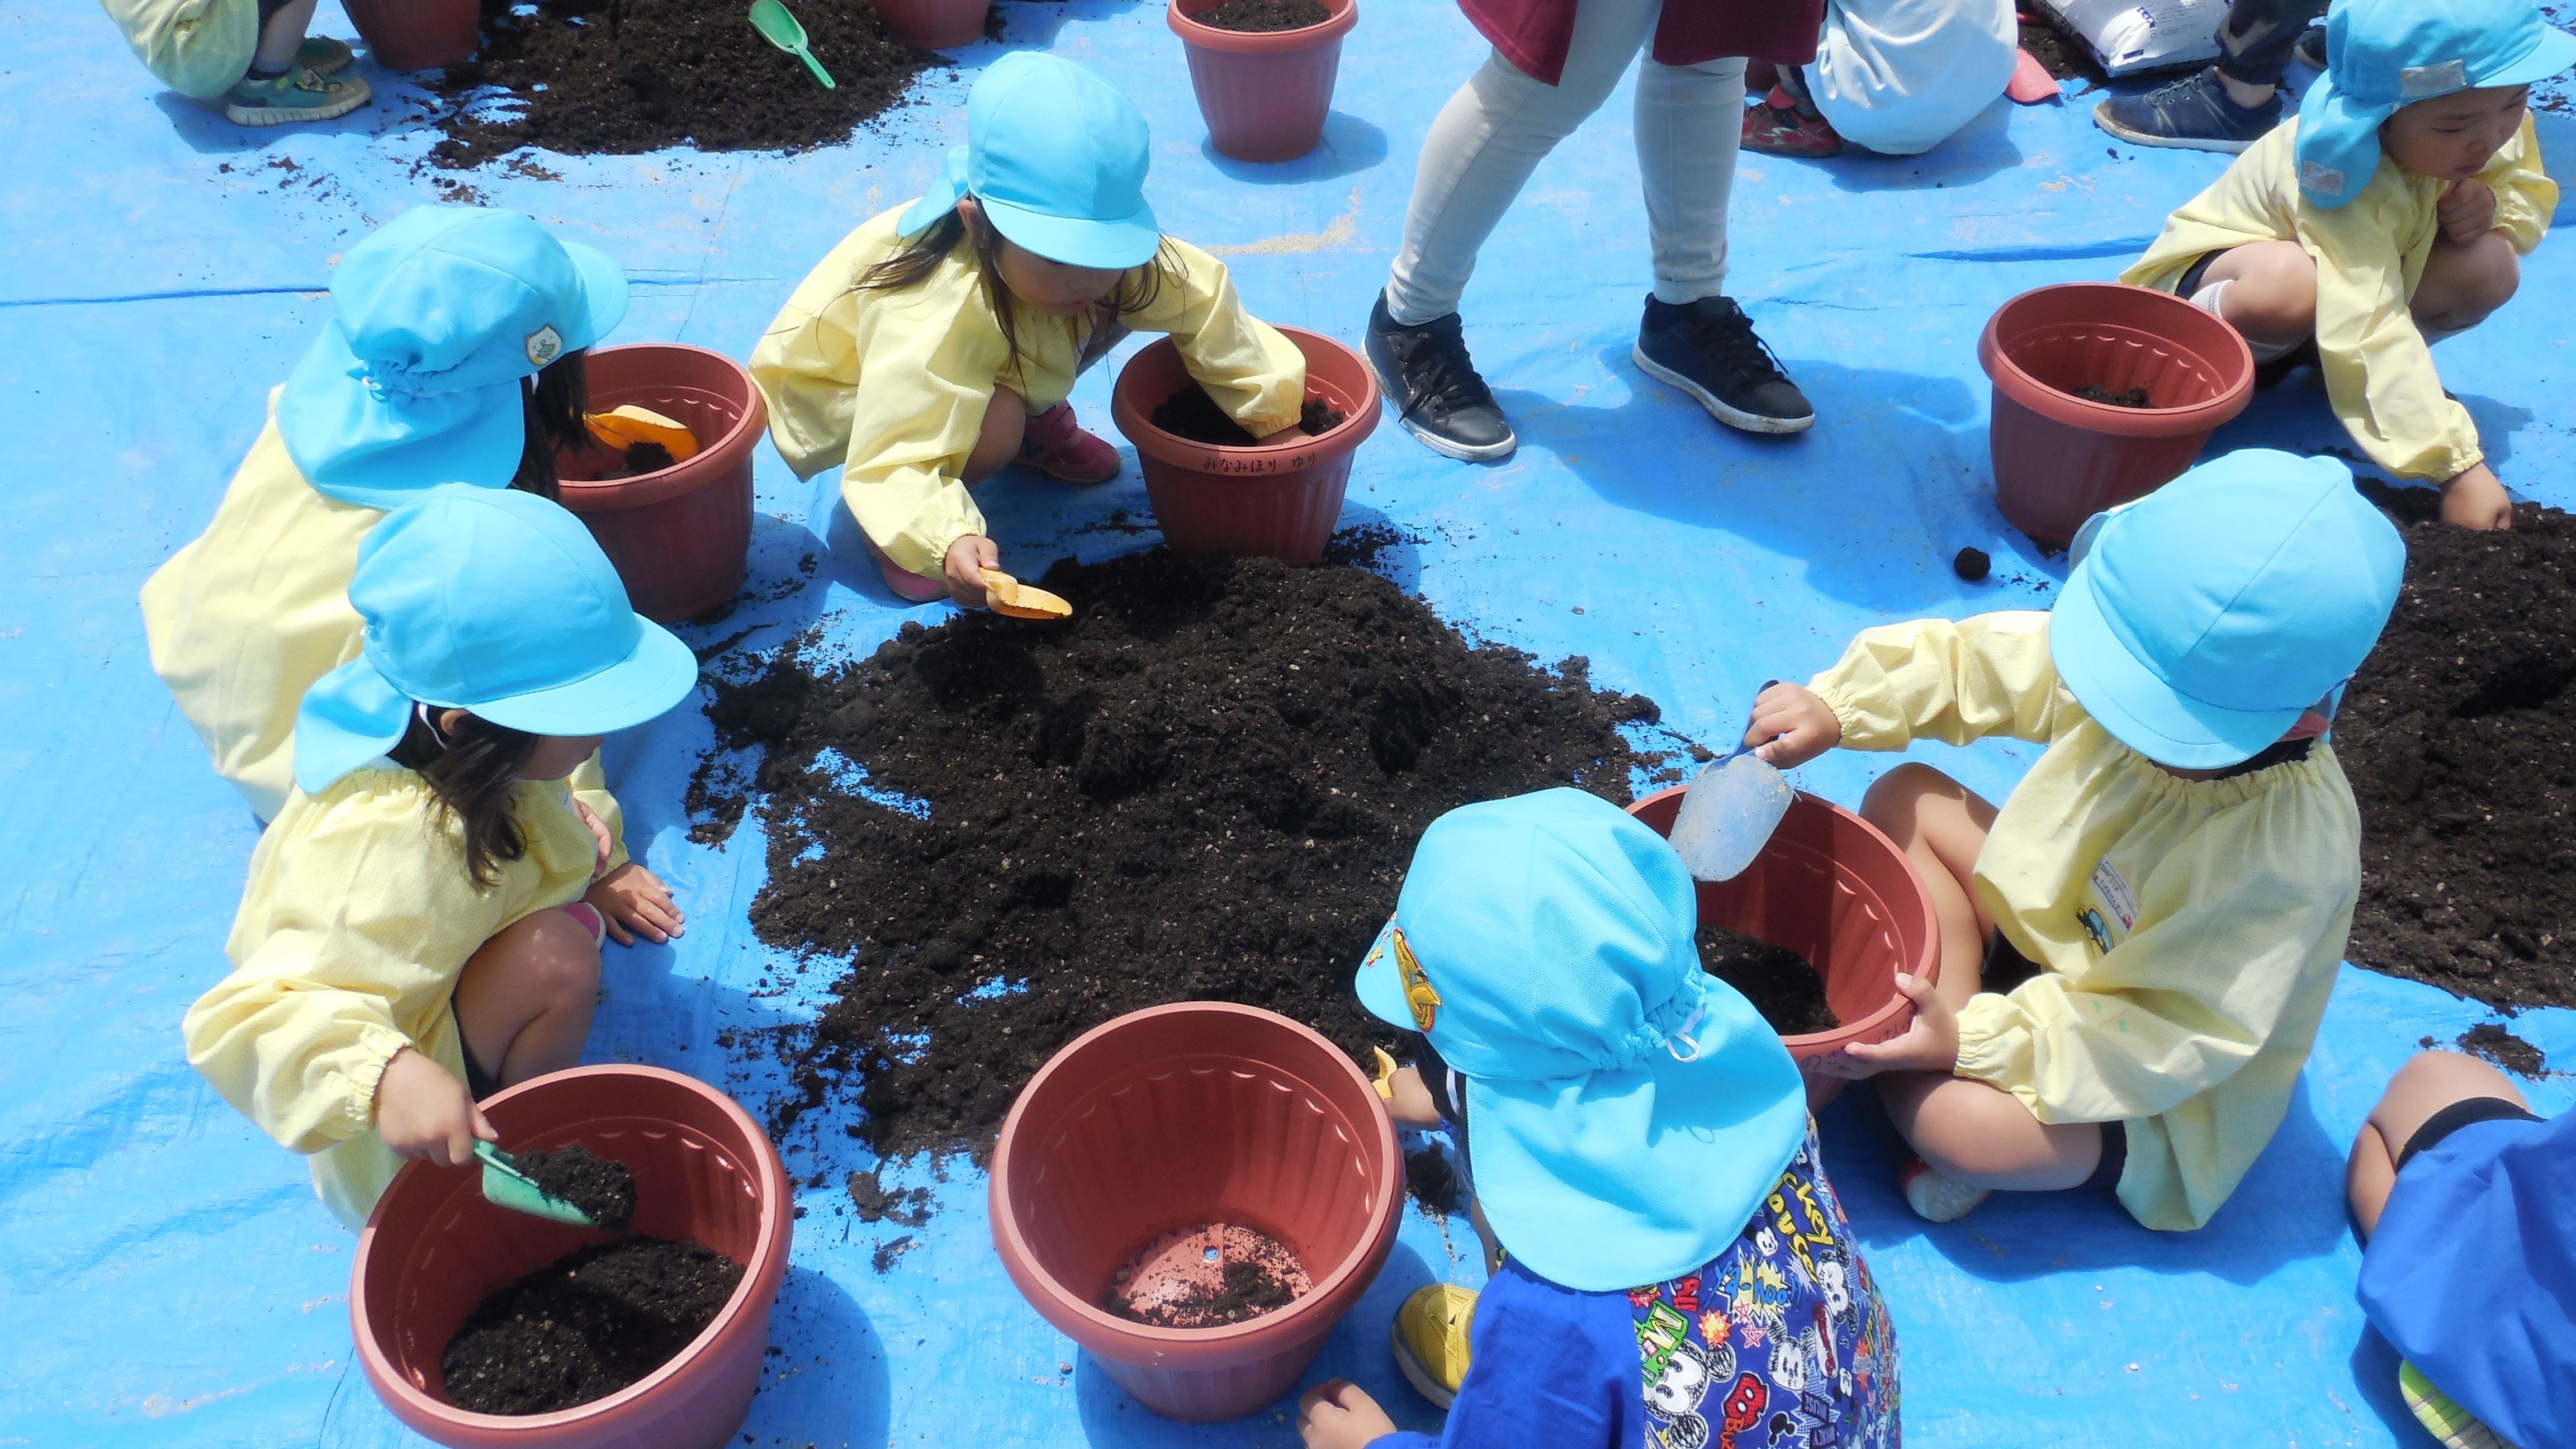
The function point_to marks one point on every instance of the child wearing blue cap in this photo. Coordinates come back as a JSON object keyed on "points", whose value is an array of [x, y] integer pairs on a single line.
{"points": [[414, 921], [2462, 1197], [2137, 947], [2390, 214], [1676, 1270], [938, 342]]}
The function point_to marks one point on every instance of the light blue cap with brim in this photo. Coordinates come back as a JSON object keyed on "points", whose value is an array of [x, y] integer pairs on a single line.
{"points": [[1626, 1111], [1056, 157], [2392, 53], [2202, 620], [492, 601], [435, 319]]}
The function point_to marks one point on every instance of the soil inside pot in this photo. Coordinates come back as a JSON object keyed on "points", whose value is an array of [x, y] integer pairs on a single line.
{"points": [[2135, 397], [1207, 1277], [1262, 15], [585, 1325], [1778, 981], [597, 1185], [1206, 785], [1192, 414], [624, 76]]}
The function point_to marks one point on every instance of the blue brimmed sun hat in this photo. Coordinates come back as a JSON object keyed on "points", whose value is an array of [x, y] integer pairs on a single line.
{"points": [[435, 319], [1056, 156], [2392, 53], [494, 601], [2202, 620], [1626, 1111]]}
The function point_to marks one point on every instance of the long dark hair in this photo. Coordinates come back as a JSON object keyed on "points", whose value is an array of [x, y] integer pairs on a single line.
{"points": [[473, 771], [554, 401], [922, 252]]}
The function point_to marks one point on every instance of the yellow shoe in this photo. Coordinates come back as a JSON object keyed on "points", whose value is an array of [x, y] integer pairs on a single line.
{"points": [[2445, 1420], [1431, 1339]]}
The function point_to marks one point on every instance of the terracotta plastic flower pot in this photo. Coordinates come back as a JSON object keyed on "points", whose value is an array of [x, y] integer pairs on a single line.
{"points": [[1264, 94], [1172, 1118], [416, 34], [1833, 889], [1278, 500], [934, 24], [680, 536], [704, 1171], [2059, 459]]}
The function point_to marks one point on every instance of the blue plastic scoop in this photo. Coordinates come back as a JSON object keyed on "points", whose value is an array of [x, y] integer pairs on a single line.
{"points": [[1729, 814]]}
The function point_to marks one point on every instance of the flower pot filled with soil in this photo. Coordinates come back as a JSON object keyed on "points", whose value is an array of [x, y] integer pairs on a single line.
{"points": [[934, 24], [478, 1326], [1263, 70], [416, 34], [1222, 491], [1815, 930], [2102, 393], [679, 530], [1196, 1194]]}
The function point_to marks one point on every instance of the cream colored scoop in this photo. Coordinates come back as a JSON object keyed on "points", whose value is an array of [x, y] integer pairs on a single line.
{"points": [[1011, 598]]}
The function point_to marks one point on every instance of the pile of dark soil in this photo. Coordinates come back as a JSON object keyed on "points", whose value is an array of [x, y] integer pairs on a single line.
{"points": [[1778, 981], [623, 76], [2502, 1047], [1192, 414], [2459, 736], [1258, 15], [597, 1185], [1432, 1182], [1204, 786], [2135, 397], [585, 1325]]}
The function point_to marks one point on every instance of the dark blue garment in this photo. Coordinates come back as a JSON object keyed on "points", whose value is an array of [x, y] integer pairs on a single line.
{"points": [[2472, 1274]]}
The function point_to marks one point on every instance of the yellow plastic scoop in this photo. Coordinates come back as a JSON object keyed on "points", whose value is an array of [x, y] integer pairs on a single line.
{"points": [[781, 29], [1013, 599], [621, 427]]}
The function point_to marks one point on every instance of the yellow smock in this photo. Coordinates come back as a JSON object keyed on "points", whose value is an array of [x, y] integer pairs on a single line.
{"points": [[358, 918], [2188, 931], [892, 385], [247, 616], [2370, 257]]}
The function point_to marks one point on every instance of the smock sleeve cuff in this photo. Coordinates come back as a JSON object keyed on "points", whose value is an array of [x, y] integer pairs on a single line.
{"points": [[1855, 723], [377, 1048], [1995, 1048]]}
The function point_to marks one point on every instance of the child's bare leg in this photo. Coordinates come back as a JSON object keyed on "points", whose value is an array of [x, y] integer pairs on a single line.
{"points": [[2273, 301], [525, 999], [2465, 282], [284, 32], [1940, 825], [1982, 1136], [1006, 418], [2429, 1082]]}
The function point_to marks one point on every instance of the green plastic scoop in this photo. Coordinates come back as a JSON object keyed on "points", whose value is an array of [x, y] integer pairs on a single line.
{"points": [[504, 1185], [781, 29]]}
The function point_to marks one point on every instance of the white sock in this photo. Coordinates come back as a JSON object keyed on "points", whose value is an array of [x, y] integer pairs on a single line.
{"points": [[2207, 300]]}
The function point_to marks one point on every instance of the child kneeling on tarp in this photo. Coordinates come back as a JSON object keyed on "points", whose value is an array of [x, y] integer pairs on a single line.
{"points": [[2136, 949], [1675, 1268], [2392, 213], [2466, 1203]]}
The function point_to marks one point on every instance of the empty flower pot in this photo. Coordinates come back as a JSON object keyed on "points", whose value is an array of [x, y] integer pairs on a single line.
{"points": [[934, 24], [704, 1171], [680, 536], [1833, 889], [1278, 499], [2059, 459], [1264, 94], [1172, 1118], [417, 34]]}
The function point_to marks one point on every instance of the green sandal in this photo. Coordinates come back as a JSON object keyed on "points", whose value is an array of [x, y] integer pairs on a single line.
{"points": [[2445, 1420]]}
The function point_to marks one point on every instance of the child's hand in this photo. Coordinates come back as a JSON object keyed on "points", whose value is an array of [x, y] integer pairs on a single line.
{"points": [[634, 902], [598, 833], [1339, 1414], [967, 559], [1931, 1044], [1408, 1101], [423, 1112], [2476, 499], [2467, 211], [1796, 725]]}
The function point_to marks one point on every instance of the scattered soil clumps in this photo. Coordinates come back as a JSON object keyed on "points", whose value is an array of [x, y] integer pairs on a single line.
{"points": [[585, 1325], [1207, 1277], [2459, 737], [625, 76], [1778, 981], [1192, 414], [1261, 15], [1432, 1182], [909, 1206], [1206, 785], [597, 1185], [2135, 397], [2491, 1041], [1972, 564]]}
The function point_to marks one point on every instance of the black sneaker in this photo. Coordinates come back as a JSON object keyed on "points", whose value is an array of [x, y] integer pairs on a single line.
{"points": [[1708, 350], [2191, 114], [1436, 393]]}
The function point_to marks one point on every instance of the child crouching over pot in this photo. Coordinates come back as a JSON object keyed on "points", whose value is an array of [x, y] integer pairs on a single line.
{"points": [[1675, 1268]]}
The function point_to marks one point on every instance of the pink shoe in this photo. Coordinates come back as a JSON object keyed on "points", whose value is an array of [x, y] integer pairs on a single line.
{"points": [[908, 586], [1056, 446]]}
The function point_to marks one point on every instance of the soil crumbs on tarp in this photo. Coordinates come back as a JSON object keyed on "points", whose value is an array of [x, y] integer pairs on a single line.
{"points": [[597, 1185], [2493, 1042], [1264, 15], [585, 1325], [2459, 737], [2135, 397], [1192, 414], [1206, 785], [1207, 1277], [625, 76], [1778, 981]]}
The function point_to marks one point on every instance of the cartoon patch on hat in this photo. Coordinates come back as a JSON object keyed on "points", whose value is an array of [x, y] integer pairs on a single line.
{"points": [[1418, 995], [544, 345]]}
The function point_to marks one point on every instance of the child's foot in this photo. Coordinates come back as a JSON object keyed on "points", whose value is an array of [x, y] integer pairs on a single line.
{"points": [[298, 95], [908, 586], [1057, 447], [1438, 395], [1778, 126], [2193, 114], [322, 55], [1708, 350], [1934, 1198], [1431, 1340]]}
